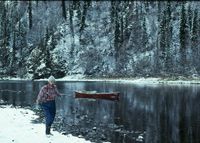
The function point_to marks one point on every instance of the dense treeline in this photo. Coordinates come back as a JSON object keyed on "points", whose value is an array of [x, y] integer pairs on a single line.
{"points": [[99, 38]]}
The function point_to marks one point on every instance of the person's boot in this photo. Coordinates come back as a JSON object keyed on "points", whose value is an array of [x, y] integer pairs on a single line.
{"points": [[48, 130]]}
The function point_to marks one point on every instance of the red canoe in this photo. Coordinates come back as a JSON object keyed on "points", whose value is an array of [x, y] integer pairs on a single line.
{"points": [[96, 95]]}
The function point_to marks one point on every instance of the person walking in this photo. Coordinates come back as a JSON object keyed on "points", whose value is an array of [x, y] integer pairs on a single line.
{"points": [[46, 100]]}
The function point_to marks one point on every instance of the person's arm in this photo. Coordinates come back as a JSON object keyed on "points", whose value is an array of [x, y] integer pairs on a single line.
{"points": [[39, 97], [57, 92]]}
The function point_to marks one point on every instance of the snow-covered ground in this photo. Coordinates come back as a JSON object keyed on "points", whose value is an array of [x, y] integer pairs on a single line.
{"points": [[16, 127]]}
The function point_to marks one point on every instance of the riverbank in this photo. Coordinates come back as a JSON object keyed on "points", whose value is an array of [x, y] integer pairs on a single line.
{"points": [[140, 80], [137, 80], [17, 127]]}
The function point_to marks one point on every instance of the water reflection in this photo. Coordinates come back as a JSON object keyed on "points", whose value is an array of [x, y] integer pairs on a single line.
{"points": [[151, 114]]}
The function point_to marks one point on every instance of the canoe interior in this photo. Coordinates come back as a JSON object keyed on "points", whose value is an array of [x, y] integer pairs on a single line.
{"points": [[95, 95]]}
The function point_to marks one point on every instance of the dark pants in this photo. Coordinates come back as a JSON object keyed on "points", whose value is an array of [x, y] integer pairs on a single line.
{"points": [[49, 109]]}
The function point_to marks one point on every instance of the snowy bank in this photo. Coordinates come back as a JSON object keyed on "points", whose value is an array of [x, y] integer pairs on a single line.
{"points": [[137, 80], [16, 127], [141, 80]]}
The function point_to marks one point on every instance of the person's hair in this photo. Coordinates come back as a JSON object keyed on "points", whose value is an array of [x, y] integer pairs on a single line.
{"points": [[52, 79]]}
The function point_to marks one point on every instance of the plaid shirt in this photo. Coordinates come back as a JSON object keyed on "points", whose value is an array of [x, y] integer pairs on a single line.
{"points": [[48, 93]]}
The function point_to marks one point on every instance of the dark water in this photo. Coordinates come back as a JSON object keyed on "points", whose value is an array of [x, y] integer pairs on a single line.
{"points": [[146, 114]]}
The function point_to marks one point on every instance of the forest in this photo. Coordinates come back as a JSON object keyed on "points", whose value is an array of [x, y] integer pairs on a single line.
{"points": [[99, 39]]}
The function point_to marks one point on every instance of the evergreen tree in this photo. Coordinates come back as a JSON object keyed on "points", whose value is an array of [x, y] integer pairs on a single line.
{"points": [[71, 15], [183, 39], [83, 17], [117, 28], [21, 46], [190, 16], [30, 14], [47, 55], [77, 7], [64, 9], [112, 11], [162, 36], [144, 44], [34, 62], [40, 59], [5, 37], [169, 64], [159, 9], [117, 35], [13, 59], [195, 40], [165, 36]]}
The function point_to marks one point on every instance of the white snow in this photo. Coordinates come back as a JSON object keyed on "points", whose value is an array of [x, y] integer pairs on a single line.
{"points": [[139, 81], [136, 80], [16, 127]]}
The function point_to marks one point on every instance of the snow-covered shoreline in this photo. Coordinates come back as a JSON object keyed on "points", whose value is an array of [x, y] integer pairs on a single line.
{"points": [[137, 80], [16, 127], [178, 80]]}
